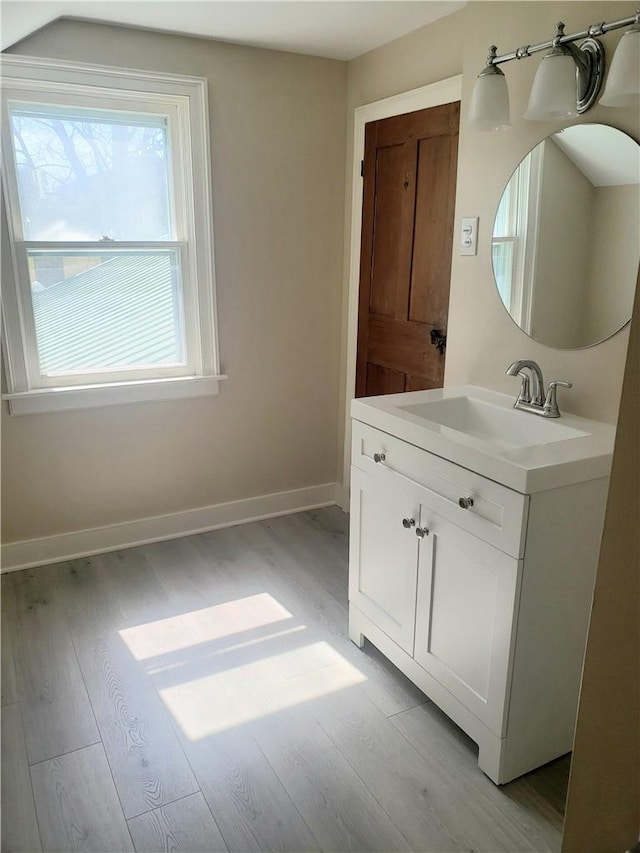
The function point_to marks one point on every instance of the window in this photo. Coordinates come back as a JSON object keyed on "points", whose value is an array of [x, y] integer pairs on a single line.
{"points": [[514, 239], [107, 191]]}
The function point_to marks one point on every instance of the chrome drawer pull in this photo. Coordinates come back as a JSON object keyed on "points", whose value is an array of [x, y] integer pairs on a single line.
{"points": [[465, 503], [379, 457], [421, 532], [408, 522]]}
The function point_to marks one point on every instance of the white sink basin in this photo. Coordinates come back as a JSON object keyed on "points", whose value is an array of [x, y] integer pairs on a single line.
{"points": [[506, 428], [480, 430]]}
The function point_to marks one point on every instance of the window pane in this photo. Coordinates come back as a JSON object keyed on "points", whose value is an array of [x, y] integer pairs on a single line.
{"points": [[87, 175], [106, 311], [503, 270], [501, 227]]}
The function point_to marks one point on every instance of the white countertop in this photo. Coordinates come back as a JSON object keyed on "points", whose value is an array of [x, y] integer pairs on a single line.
{"points": [[583, 449]]}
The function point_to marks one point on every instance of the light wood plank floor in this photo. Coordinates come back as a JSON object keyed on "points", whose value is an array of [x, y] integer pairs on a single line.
{"points": [[202, 695]]}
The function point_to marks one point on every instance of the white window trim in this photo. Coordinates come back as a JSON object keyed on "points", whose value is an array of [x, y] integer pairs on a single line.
{"points": [[524, 216], [27, 73]]}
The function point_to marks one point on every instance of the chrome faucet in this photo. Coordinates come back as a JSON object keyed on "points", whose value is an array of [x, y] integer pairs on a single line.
{"points": [[532, 397], [530, 392]]}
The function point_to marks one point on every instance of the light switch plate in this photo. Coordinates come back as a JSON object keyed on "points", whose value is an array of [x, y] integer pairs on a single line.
{"points": [[469, 235]]}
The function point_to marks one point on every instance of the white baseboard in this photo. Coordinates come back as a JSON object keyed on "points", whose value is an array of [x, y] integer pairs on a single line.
{"points": [[342, 496], [112, 537]]}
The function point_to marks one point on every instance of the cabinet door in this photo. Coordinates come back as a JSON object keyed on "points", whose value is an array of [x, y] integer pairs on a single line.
{"points": [[465, 615], [383, 554]]}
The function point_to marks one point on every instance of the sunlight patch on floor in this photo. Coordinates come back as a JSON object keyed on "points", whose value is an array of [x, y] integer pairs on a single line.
{"points": [[212, 623], [216, 702], [159, 667]]}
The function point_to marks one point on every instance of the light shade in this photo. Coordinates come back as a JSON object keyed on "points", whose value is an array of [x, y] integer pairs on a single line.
{"points": [[623, 82], [554, 93], [489, 108]]}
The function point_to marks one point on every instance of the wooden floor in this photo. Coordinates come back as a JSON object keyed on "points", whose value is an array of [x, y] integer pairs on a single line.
{"points": [[202, 694]]}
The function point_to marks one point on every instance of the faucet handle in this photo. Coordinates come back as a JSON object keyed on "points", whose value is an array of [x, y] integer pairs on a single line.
{"points": [[551, 404]]}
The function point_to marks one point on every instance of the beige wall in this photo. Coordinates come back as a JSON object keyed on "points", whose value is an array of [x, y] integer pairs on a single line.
{"points": [[603, 807], [428, 55], [562, 253], [616, 223], [482, 339], [278, 151], [279, 246]]}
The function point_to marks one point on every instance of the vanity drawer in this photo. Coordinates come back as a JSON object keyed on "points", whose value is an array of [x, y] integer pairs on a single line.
{"points": [[498, 514]]}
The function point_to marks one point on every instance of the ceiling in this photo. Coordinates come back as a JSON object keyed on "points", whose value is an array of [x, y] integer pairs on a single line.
{"points": [[605, 155], [337, 29]]}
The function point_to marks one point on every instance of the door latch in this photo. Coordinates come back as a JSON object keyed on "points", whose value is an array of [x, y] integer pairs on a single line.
{"points": [[439, 340]]}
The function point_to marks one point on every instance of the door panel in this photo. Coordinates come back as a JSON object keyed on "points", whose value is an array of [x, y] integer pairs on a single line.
{"points": [[407, 237], [381, 380], [383, 555], [392, 227], [432, 244], [392, 341], [465, 611], [463, 594]]}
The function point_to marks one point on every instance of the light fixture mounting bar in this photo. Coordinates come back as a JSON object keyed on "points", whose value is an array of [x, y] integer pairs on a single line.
{"points": [[591, 32]]}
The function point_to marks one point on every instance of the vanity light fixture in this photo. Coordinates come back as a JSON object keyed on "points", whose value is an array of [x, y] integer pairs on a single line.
{"points": [[568, 79], [565, 67], [623, 82], [489, 108]]}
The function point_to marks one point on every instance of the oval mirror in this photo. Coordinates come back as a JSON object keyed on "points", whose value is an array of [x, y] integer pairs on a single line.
{"points": [[566, 237]]}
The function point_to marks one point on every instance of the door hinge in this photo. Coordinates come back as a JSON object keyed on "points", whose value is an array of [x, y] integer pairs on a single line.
{"points": [[362, 168]]}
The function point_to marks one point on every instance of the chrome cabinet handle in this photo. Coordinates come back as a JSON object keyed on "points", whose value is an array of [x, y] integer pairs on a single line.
{"points": [[408, 522], [421, 532], [465, 503], [379, 457]]}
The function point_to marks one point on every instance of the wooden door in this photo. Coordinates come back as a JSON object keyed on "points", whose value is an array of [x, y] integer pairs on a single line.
{"points": [[409, 173]]}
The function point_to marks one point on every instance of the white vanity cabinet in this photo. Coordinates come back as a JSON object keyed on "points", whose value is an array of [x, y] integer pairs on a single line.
{"points": [[465, 605], [484, 605], [384, 555]]}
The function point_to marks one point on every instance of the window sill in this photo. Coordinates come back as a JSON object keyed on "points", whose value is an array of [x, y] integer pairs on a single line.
{"points": [[116, 393]]}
